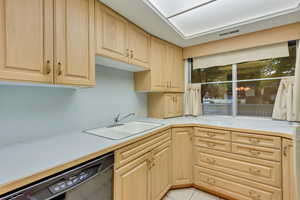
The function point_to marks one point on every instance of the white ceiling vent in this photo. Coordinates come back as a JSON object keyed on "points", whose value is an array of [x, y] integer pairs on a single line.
{"points": [[229, 33], [194, 18]]}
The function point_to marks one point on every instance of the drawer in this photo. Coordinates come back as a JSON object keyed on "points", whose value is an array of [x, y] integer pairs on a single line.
{"points": [[267, 172], [234, 187], [133, 151], [257, 152], [212, 144], [213, 133], [258, 140]]}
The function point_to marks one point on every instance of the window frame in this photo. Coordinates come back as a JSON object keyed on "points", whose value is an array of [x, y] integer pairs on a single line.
{"points": [[234, 83]]}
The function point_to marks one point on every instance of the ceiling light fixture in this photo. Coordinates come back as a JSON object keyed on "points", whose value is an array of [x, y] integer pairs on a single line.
{"points": [[195, 18]]}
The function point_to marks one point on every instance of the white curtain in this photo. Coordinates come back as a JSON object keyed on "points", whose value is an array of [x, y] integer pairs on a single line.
{"points": [[287, 103], [284, 104], [192, 100], [297, 84]]}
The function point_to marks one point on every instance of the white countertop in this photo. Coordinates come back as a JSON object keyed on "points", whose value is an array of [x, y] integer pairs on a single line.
{"points": [[28, 158]]}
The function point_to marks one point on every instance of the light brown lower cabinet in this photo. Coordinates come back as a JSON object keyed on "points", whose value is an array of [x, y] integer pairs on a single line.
{"points": [[184, 156], [147, 177], [161, 173], [182, 142], [288, 183], [233, 186], [133, 181], [165, 105]]}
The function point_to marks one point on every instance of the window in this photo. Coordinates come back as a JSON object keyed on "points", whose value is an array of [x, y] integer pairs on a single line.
{"points": [[246, 89]]}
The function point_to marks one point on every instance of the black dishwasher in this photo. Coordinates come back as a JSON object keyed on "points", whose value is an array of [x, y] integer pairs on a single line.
{"points": [[91, 180]]}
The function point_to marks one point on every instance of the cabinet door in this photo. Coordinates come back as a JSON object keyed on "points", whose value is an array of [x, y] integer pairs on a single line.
{"points": [[177, 84], [74, 42], [169, 68], [26, 40], [158, 63], [182, 155], [169, 105], [139, 46], [161, 176], [178, 104], [132, 182], [111, 34], [288, 184]]}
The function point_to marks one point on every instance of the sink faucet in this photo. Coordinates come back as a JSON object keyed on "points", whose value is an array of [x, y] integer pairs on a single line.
{"points": [[117, 119]]}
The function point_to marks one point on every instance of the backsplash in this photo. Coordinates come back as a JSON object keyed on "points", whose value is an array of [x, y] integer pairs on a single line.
{"points": [[28, 113]]}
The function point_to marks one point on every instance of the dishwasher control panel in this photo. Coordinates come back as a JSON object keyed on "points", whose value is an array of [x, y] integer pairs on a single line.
{"points": [[72, 181]]}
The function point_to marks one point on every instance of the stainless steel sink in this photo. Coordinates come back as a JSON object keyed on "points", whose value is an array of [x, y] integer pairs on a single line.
{"points": [[120, 131]]}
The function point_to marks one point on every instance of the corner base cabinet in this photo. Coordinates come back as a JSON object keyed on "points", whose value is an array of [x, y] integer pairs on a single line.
{"points": [[289, 182], [182, 156]]}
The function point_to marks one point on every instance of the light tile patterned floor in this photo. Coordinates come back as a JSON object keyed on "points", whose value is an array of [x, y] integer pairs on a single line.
{"points": [[189, 194]]}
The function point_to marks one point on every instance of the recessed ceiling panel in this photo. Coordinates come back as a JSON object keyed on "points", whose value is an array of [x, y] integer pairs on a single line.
{"points": [[170, 8], [192, 18]]}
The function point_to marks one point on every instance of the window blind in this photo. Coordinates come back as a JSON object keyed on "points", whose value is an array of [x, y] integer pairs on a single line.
{"points": [[252, 54]]}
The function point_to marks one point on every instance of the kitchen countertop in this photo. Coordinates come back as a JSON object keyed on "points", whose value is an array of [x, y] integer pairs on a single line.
{"points": [[30, 161]]}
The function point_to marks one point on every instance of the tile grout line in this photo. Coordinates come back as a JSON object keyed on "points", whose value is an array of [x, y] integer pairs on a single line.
{"points": [[192, 195]]}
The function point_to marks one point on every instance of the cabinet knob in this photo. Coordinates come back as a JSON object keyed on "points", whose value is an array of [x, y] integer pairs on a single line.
{"points": [[210, 181], [286, 150], [253, 195], [48, 67], [254, 171], [211, 161], [210, 134], [59, 70], [254, 152], [149, 163], [210, 144], [254, 140], [131, 53]]}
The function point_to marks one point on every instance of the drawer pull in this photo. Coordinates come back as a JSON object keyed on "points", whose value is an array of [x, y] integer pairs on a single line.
{"points": [[254, 171], [254, 140], [210, 181], [211, 161], [211, 135], [210, 144], [254, 152], [253, 195]]}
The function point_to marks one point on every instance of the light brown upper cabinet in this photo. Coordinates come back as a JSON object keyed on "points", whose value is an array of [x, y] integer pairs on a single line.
{"points": [[158, 62], [165, 105], [174, 69], [26, 40], [74, 43], [139, 46], [166, 69], [31, 51], [177, 82], [111, 34], [118, 39]]}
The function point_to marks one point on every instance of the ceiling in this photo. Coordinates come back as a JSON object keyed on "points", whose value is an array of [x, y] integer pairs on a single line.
{"points": [[191, 22]]}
